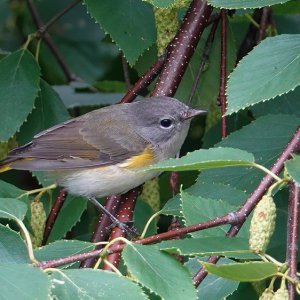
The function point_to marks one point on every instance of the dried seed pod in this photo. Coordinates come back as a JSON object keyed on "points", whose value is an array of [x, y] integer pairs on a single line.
{"points": [[268, 294], [151, 194], [37, 222], [262, 224]]}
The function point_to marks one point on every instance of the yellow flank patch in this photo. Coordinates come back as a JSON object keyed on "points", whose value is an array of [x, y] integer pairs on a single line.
{"points": [[144, 159], [5, 168]]}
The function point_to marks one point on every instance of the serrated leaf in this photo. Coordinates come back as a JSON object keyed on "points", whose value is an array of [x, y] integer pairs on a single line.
{"points": [[234, 4], [222, 246], [161, 3], [293, 167], [12, 247], [154, 269], [23, 282], [49, 110], [19, 85], [93, 284], [131, 25], [68, 216], [248, 271], [265, 137], [61, 249], [12, 208], [270, 69], [213, 287], [285, 104], [206, 159]]}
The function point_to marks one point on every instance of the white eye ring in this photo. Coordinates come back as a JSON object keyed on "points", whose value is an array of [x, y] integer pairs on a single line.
{"points": [[166, 123]]}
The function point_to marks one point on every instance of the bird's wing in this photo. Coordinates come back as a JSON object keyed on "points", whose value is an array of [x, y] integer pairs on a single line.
{"points": [[95, 139]]}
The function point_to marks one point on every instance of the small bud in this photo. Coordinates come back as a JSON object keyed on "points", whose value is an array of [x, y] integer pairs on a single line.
{"points": [[37, 222], [267, 295], [151, 194]]}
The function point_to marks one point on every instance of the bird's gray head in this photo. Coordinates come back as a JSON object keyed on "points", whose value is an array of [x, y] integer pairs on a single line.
{"points": [[163, 121]]}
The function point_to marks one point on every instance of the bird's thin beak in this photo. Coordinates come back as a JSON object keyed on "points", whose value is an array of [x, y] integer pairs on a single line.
{"points": [[192, 112]]}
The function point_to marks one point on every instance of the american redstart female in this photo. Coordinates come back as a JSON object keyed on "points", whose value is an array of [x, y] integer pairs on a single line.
{"points": [[105, 152]]}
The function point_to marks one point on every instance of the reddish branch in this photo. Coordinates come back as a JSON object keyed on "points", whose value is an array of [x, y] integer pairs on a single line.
{"points": [[125, 215], [292, 239], [101, 232], [222, 92], [57, 206], [292, 147], [182, 47]]}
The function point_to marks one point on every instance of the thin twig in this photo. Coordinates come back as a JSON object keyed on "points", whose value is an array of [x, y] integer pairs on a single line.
{"points": [[264, 21], [204, 58], [46, 27], [50, 43], [292, 239]]}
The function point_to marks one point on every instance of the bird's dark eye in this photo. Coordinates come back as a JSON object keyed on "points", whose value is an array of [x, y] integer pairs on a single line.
{"points": [[166, 123]]}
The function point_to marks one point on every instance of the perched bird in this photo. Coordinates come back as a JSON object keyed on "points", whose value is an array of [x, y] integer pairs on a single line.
{"points": [[106, 151]]}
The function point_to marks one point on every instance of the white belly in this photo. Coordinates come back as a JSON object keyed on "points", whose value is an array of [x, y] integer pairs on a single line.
{"points": [[100, 182]]}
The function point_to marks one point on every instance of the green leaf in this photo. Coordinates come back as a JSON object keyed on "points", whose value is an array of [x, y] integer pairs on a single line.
{"points": [[285, 104], [266, 138], [248, 271], [270, 69], [161, 3], [93, 284], [61, 249], [244, 3], [206, 159], [11, 208], [23, 282], [198, 209], [8, 190], [222, 246], [155, 270], [19, 85], [293, 167], [49, 110], [213, 287], [12, 247], [131, 25], [68, 216]]}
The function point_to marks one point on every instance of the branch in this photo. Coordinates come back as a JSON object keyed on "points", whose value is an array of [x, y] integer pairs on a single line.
{"points": [[292, 239], [292, 147], [49, 41], [101, 231], [57, 206], [182, 47]]}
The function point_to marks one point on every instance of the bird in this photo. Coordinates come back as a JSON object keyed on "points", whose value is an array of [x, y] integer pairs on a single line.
{"points": [[106, 151]]}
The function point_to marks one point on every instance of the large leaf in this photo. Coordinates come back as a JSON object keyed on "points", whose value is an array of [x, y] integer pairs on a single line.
{"points": [[293, 167], [131, 25], [8, 190], [69, 215], [207, 246], [23, 282], [266, 138], [93, 284], [206, 159], [12, 247], [271, 69], [11, 208], [244, 3], [155, 270], [49, 110], [19, 85], [248, 271]]}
